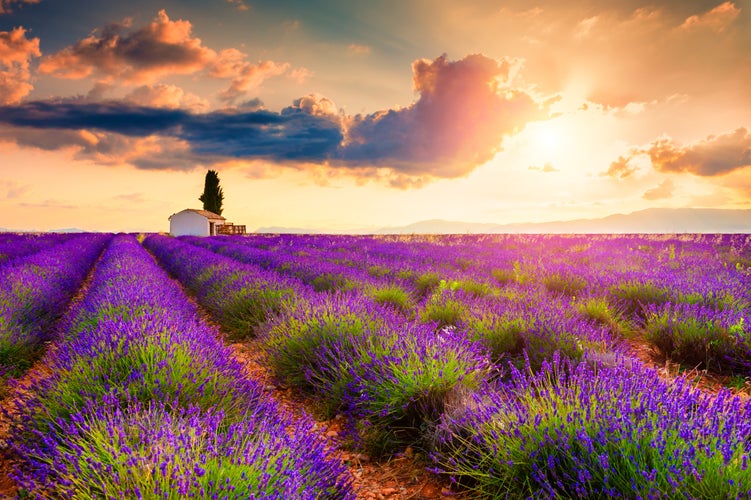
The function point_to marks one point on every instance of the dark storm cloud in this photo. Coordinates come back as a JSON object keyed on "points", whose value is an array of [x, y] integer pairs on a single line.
{"points": [[464, 110], [251, 134], [263, 134], [112, 116]]}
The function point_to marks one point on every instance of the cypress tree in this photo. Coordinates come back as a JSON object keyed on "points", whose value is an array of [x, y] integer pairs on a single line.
{"points": [[212, 196]]}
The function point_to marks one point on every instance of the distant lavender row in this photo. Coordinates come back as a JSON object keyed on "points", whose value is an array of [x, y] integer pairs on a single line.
{"points": [[145, 402], [34, 292], [693, 264], [17, 245], [241, 296]]}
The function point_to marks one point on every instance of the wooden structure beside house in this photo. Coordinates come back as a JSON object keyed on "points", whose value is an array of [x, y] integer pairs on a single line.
{"points": [[196, 222]]}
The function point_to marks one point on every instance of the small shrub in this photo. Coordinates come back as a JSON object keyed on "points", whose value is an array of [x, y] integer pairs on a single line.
{"points": [[305, 350], [378, 271], [503, 276], [475, 288], [599, 310], [426, 283], [633, 297], [443, 312], [503, 336], [329, 282], [137, 360], [715, 300], [406, 376], [393, 296], [566, 285], [249, 308]]}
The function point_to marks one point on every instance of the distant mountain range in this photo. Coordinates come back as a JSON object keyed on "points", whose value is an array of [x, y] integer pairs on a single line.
{"points": [[653, 220], [288, 230]]}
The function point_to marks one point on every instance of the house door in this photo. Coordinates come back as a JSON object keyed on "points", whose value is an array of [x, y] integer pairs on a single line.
{"points": [[211, 229]]}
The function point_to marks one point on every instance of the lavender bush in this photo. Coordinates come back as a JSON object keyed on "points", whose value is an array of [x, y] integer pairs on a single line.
{"points": [[584, 430]]}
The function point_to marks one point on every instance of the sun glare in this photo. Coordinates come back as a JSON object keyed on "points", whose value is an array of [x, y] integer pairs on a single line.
{"points": [[547, 136]]}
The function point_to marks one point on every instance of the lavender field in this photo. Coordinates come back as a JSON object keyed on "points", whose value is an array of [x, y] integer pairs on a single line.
{"points": [[519, 366]]}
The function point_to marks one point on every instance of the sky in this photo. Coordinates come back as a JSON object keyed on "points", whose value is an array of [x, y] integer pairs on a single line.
{"points": [[347, 115]]}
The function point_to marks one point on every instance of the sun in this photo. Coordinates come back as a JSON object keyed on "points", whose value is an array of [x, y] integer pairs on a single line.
{"points": [[547, 137]]}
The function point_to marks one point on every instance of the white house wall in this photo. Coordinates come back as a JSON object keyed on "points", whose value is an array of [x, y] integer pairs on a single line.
{"points": [[188, 223]]}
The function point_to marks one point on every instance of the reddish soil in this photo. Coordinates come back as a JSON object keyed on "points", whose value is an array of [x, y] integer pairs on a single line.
{"points": [[669, 370]]}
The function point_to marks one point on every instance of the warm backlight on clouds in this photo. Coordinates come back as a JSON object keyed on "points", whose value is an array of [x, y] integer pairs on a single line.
{"points": [[479, 111]]}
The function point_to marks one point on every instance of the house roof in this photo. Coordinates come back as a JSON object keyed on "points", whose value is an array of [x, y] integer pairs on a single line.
{"points": [[205, 213]]}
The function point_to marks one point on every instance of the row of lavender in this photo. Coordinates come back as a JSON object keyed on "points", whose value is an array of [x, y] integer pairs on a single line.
{"points": [[144, 401], [571, 415], [688, 296], [37, 284], [19, 245]]}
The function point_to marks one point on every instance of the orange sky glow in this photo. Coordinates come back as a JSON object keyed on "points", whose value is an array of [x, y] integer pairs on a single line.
{"points": [[351, 116]]}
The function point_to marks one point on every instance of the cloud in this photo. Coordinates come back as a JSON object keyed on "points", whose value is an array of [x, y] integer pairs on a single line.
{"points": [[355, 49], [718, 19], [716, 155], [300, 75], [16, 52], [231, 63], [166, 96], [136, 56], [464, 111], [713, 156], [107, 131], [312, 104], [659, 50], [239, 5], [585, 27], [6, 6], [621, 168], [547, 168], [664, 190], [119, 52], [136, 198], [10, 190]]}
